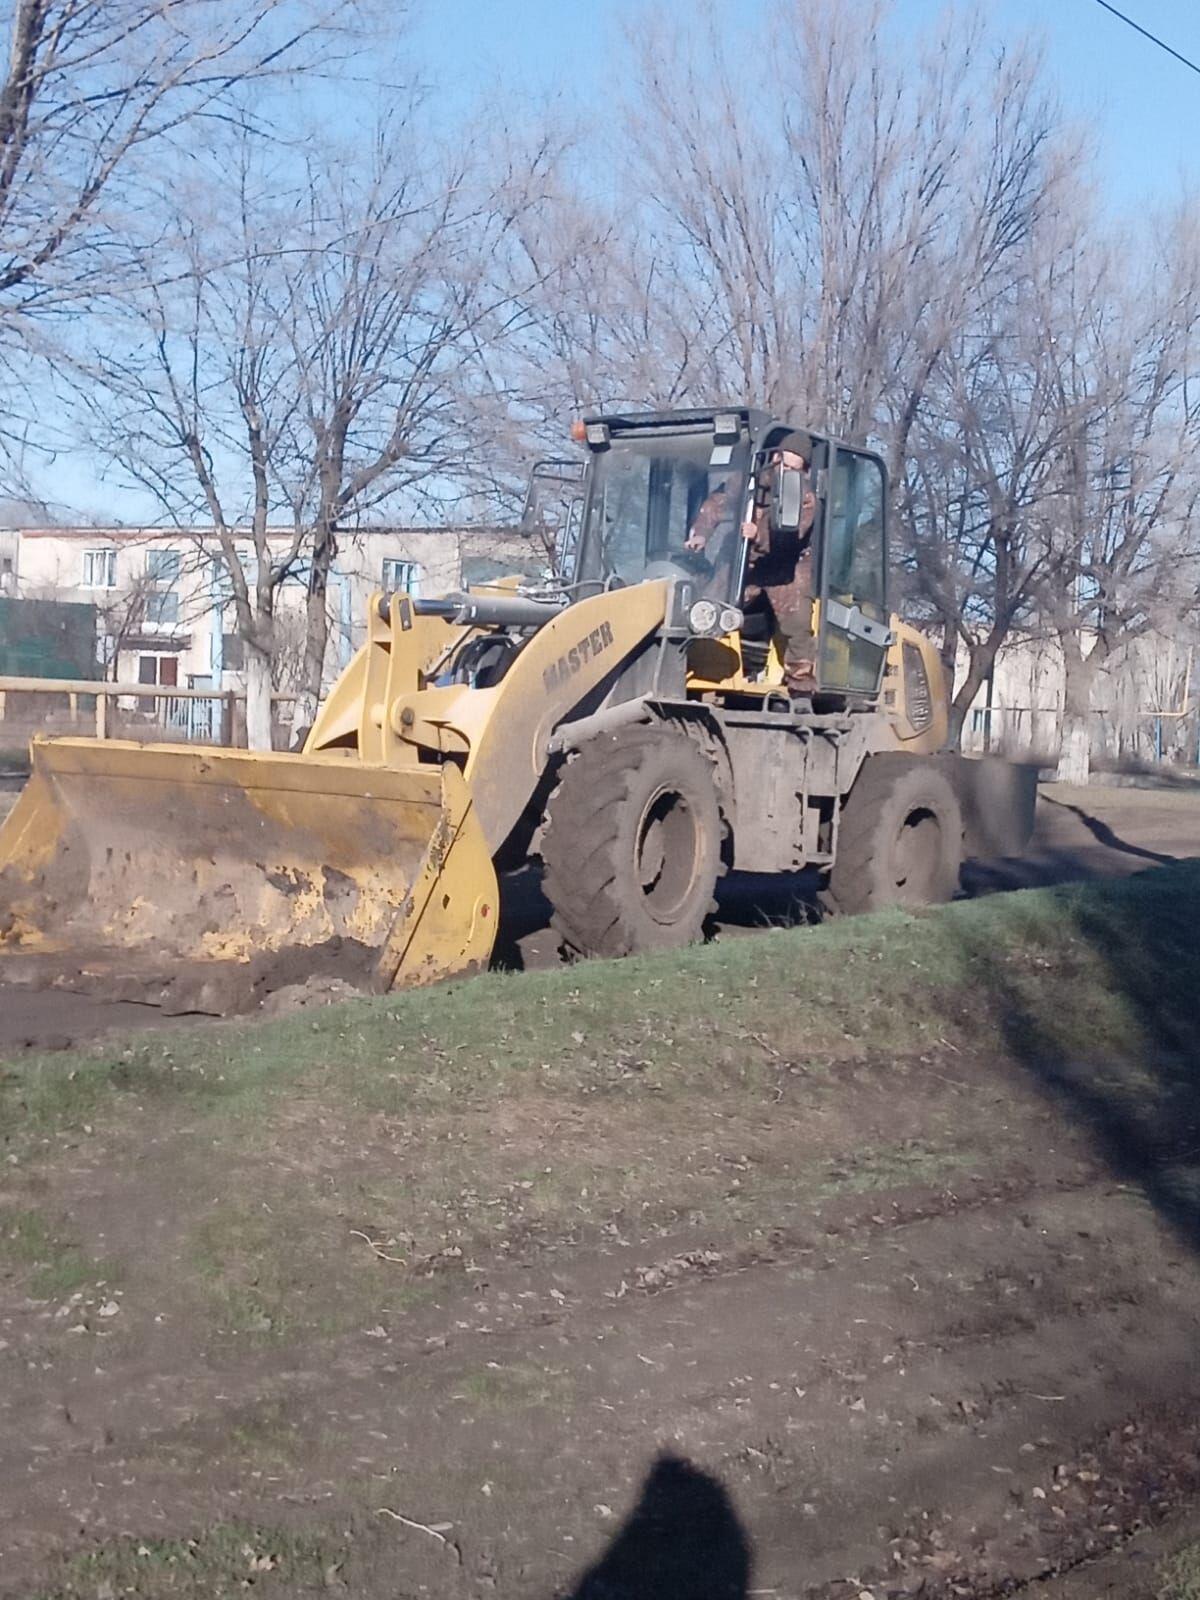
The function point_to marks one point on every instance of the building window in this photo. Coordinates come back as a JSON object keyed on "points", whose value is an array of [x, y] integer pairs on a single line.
{"points": [[233, 653], [400, 575], [162, 670], [163, 608], [99, 569], [162, 566]]}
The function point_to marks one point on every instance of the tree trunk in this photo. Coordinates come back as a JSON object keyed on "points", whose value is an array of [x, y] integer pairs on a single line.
{"points": [[948, 651], [316, 632], [982, 660], [258, 698], [1075, 750]]}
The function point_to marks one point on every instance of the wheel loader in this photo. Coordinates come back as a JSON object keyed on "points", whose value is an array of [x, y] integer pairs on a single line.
{"points": [[622, 716]]}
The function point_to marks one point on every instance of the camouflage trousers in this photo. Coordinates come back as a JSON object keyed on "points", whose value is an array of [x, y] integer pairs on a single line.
{"points": [[791, 603]]}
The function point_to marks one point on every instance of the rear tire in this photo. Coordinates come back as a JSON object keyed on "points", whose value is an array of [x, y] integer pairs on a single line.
{"points": [[631, 849], [900, 838]]}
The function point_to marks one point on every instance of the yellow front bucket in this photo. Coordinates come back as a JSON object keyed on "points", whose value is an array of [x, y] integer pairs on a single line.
{"points": [[169, 855]]}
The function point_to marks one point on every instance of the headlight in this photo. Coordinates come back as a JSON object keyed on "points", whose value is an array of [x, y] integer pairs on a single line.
{"points": [[704, 617], [731, 619]]}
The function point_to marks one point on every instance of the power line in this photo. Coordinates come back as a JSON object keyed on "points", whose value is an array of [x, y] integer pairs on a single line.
{"points": [[1146, 34]]}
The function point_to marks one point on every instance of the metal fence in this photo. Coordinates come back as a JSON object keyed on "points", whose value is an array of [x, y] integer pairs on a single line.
{"points": [[1149, 737], [110, 710]]}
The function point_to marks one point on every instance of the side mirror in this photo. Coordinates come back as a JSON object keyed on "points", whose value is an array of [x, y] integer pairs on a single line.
{"points": [[787, 500]]}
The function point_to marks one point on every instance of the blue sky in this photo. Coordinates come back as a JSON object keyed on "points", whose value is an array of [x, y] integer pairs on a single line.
{"points": [[1143, 107]]}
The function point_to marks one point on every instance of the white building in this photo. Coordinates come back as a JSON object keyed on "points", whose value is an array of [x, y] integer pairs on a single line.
{"points": [[162, 597], [8, 563], [1145, 701]]}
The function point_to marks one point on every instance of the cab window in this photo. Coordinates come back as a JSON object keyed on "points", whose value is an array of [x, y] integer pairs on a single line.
{"points": [[855, 551]]}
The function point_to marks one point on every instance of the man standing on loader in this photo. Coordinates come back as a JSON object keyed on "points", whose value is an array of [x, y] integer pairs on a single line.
{"points": [[779, 568]]}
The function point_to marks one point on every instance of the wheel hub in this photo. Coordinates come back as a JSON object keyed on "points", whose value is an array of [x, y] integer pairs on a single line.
{"points": [[916, 853], [667, 849]]}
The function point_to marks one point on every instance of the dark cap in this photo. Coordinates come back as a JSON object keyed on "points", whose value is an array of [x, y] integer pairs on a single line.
{"points": [[798, 443]]}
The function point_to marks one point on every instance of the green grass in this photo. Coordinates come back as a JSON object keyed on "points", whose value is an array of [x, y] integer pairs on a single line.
{"points": [[323, 1175], [488, 1116], [514, 1387], [1179, 1575], [252, 1281], [50, 1265], [1078, 963], [226, 1560], [893, 1166]]}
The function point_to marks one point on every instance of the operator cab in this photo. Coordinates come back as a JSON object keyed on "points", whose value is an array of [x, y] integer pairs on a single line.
{"points": [[665, 495]]}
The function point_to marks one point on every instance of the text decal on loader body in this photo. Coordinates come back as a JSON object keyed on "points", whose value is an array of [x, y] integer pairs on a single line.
{"points": [[577, 657]]}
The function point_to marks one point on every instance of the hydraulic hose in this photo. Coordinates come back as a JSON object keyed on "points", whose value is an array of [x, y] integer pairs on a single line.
{"points": [[500, 610]]}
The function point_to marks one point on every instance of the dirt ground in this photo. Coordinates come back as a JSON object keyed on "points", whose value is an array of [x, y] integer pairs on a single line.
{"points": [[704, 1304], [1081, 834], [951, 1385]]}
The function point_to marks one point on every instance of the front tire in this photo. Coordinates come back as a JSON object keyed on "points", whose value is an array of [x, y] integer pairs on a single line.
{"points": [[900, 838], [631, 849]]}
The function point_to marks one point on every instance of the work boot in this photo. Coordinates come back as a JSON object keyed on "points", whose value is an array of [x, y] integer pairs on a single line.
{"points": [[800, 690]]}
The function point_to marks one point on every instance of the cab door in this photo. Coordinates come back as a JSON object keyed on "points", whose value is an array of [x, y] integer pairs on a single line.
{"points": [[553, 512], [854, 628]]}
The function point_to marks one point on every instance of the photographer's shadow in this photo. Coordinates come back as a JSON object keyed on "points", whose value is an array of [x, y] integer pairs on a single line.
{"points": [[682, 1541]]}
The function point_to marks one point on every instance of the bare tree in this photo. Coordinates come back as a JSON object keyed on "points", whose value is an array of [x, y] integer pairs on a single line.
{"points": [[121, 616], [92, 88], [183, 396], [844, 248], [393, 314], [314, 365], [887, 240], [980, 479], [1124, 545]]}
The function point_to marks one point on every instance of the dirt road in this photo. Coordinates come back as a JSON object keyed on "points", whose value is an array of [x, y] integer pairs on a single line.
{"points": [[972, 1382], [343, 1304]]}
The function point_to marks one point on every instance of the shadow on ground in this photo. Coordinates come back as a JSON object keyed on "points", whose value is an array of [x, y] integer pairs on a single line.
{"points": [[1129, 953], [682, 1541], [1137, 946]]}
